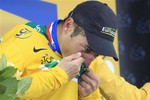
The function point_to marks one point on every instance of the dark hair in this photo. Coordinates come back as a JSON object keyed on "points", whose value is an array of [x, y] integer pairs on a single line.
{"points": [[78, 30]]}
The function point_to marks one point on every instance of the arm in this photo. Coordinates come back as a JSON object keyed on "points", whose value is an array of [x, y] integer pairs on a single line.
{"points": [[46, 81], [42, 81], [114, 87], [49, 80]]}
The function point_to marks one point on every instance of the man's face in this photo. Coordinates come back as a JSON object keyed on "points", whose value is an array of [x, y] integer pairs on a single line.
{"points": [[76, 44]]}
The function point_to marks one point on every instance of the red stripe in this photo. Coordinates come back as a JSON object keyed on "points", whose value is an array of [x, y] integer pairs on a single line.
{"points": [[48, 33]]}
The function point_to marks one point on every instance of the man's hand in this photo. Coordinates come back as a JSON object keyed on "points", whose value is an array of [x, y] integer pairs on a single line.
{"points": [[88, 83], [71, 64]]}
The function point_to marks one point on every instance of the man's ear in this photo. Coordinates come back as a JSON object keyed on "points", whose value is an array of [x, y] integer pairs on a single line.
{"points": [[69, 25]]}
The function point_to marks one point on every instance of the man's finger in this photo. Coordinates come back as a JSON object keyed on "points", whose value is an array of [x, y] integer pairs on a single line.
{"points": [[73, 56], [90, 74], [78, 61]]}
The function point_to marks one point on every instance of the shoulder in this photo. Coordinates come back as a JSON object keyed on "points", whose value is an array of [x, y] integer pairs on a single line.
{"points": [[37, 27]]}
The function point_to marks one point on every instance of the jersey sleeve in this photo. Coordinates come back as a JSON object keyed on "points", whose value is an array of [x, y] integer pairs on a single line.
{"points": [[46, 81], [114, 87]]}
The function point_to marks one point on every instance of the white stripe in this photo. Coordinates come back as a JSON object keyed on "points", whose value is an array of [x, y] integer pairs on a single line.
{"points": [[50, 31], [43, 67]]}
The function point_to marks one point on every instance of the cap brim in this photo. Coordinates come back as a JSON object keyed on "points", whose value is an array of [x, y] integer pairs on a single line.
{"points": [[101, 46]]}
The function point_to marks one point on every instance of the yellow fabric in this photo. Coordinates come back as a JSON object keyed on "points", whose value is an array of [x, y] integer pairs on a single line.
{"points": [[19, 51], [114, 87], [53, 84]]}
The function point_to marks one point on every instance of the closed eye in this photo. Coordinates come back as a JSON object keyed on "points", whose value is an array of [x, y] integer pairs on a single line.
{"points": [[89, 51]]}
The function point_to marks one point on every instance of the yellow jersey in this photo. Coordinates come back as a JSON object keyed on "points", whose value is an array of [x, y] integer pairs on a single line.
{"points": [[28, 50]]}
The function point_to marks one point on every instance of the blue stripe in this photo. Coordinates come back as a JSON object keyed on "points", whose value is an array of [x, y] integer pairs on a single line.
{"points": [[36, 11], [54, 36]]}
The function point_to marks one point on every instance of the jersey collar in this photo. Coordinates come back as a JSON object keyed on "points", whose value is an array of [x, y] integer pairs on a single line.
{"points": [[51, 33]]}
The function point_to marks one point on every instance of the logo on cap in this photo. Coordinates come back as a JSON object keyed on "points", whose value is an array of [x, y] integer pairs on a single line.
{"points": [[109, 31]]}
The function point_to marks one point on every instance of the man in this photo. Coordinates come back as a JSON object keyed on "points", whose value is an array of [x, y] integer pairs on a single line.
{"points": [[55, 55], [84, 34]]}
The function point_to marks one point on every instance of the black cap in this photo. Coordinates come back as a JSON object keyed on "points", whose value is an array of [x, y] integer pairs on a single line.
{"points": [[99, 23]]}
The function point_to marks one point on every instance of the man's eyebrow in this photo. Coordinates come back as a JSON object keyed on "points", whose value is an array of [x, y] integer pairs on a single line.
{"points": [[86, 45], [89, 48]]}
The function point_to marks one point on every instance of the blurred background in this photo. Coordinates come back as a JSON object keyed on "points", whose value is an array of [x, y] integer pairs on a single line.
{"points": [[131, 42]]}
